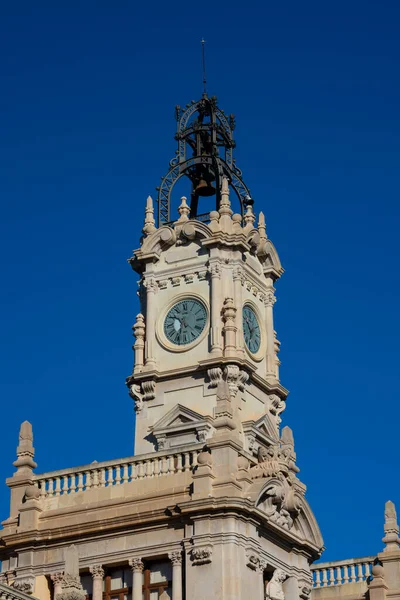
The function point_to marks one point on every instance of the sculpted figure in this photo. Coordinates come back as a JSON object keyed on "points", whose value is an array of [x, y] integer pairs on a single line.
{"points": [[274, 587]]}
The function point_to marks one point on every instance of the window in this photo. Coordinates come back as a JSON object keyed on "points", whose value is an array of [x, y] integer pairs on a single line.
{"points": [[157, 581], [117, 584]]}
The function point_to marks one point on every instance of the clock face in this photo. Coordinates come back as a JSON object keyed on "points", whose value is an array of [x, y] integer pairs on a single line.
{"points": [[251, 329], [185, 321]]}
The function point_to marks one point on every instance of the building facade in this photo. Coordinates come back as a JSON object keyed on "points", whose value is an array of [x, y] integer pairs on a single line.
{"points": [[211, 505]]}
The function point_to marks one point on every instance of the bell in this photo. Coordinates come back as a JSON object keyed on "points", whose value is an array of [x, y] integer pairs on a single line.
{"points": [[204, 188]]}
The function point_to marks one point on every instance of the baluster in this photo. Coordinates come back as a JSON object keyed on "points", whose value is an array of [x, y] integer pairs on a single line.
{"points": [[164, 465], [331, 576], [57, 489], [140, 470], [179, 463], [43, 491], [171, 464], [89, 480], [317, 579], [110, 480], [187, 461], [345, 573], [125, 476], [102, 477], [65, 486], [367, 570], [149, 468], [50, 492], [352, 574], [118, 475], [156, 468], [194, 458], [80, 482], [95, 479], [134, 472], [339, 575], [359, 572], [324, 578]]}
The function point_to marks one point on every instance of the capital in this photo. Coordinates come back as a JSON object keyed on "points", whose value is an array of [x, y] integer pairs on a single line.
{"points": [[97, 571], [175, 557], [136, 565]]}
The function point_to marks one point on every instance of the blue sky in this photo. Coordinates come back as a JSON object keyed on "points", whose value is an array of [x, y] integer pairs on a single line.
{"points": [[87, 102]]}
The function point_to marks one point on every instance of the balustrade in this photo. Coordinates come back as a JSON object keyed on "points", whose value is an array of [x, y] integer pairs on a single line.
{"points": [[342, 572], [118, 472]]}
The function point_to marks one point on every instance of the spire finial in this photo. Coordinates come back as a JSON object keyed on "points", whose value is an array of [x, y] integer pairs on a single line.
{"points": [[25, 450], [391, 528], [149, 222], [203, 53]]}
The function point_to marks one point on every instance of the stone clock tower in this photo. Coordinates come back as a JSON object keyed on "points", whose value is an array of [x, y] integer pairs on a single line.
{"points": [[210, 505]]}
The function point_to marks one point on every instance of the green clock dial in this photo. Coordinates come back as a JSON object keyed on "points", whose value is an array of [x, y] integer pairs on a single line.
{"points": [[251, 329], [185, 321]]}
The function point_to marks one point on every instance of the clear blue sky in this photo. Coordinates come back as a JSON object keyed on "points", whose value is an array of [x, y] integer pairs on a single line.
{"points": [[87, 100]]}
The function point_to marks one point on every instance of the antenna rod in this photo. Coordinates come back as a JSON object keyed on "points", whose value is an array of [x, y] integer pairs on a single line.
{"points": [[204, 68]]}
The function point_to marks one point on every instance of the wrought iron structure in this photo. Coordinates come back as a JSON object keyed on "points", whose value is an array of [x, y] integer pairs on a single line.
{"points": [[204, 155]]}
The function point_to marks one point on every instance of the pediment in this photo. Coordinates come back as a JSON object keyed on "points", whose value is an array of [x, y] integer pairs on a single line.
{"points": [[181, 426], [259, 433], [177, 416], [266, 427]]}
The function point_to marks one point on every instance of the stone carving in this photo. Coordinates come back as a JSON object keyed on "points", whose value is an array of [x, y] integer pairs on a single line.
{"points": [[215, 375], [275, 587], [139, 332], [150, 284], [189, 277], [137, 396], [175, 281], [391, 528], [282, 496], [235, 378], [183, 210], [136, 565], [149, 389], [201, 275], [304, 591], [3, 578], [163, 284], [175, 557], [215, 270], [255, 562], [25, 584], [97, 571], [57, 578], [201, 555], [276, 406]]}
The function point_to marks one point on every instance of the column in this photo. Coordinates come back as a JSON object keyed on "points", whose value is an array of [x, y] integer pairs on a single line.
{"points": [[176, 559], [97, 572], [237, 283], [269, 324], [216, 305], [261, 566], [57, 579], [137, 578], [151, 287], [229, 317]]}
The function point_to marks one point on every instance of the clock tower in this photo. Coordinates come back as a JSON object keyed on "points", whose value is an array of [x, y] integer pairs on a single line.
{"points": [[206, 291]]}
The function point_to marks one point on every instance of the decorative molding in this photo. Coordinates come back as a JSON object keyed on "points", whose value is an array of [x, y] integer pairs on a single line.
{"points": [[201, 555], [175, 557], [215, 375], [57, 578], [97, 571], [136, 565], [149, 389], [25, 584]]}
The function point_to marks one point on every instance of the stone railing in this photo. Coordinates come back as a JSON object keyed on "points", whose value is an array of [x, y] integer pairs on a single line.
{"points": [[341, 572], [117, 472], [9, 593]]}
